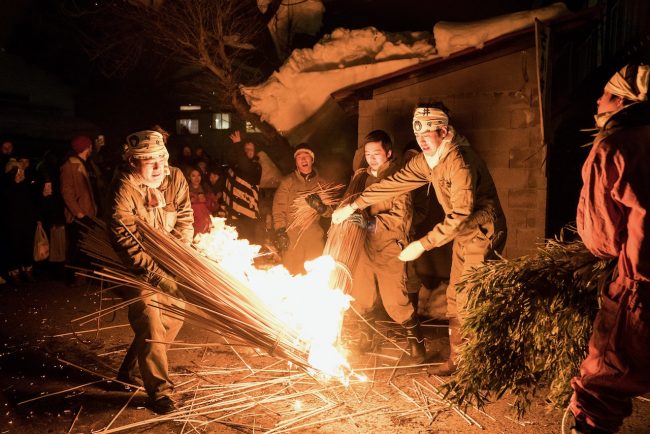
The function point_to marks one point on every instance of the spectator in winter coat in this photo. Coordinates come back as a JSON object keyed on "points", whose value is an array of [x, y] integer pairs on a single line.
{"points": [[22, 216], [79, 198], [242, 188], [155, 192], [474, 220], [297, 249], [613, 222], [6, 153]]}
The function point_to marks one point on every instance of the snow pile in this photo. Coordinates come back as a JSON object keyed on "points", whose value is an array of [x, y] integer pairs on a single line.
{"points": [[309, 76], [453, 37], [346, 57]]}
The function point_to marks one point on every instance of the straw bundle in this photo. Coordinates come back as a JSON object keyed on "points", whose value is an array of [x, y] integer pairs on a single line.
{"points": [[216, 300], [303, 215], [530, 322]]}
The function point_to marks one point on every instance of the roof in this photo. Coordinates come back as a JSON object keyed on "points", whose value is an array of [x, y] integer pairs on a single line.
{"points": [[492, 49]]}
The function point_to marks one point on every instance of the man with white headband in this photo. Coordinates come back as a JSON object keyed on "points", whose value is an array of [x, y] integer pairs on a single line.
{"points": [[613, 221], [474, 220], [155, 192], [296, 246]]}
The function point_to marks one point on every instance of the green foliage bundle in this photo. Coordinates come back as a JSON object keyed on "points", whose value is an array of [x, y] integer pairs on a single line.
{"points": [[530, 322]]}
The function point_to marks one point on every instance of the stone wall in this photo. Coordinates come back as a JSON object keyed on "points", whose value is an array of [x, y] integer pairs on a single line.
{"points": [[494, 104]]}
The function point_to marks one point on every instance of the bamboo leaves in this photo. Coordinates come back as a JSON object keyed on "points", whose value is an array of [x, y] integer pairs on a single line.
{"points": [[530, 322]]}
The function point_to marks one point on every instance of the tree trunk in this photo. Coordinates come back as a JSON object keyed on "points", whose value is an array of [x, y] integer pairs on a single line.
{"points": [[275, 139]]}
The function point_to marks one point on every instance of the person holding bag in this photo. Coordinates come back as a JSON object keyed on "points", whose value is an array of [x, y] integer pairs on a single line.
{"points": [[22, 217]]}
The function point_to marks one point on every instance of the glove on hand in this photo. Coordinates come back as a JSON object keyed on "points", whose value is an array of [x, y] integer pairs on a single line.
{"points": [[340, 214], [411, 252], [282, 239], [364, 223], [167, 284], [314, 201]]}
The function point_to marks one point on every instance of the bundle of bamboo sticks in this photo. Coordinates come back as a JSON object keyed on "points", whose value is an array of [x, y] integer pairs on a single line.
{"points": [[214, 299], [303, 215]]}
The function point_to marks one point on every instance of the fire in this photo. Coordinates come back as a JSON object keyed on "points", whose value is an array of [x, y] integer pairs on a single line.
{"points": [[305, 303]]}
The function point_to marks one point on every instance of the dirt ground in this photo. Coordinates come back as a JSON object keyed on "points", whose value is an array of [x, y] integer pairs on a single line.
{"points": [[53, 381]]}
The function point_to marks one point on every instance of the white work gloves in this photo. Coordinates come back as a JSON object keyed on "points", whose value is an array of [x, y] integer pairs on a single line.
{"points": [[341, 214], [411, 252]]}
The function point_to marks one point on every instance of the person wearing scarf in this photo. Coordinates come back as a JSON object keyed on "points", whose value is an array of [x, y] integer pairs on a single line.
{"points": [[474, 220], [151, 190], [613, 221]]}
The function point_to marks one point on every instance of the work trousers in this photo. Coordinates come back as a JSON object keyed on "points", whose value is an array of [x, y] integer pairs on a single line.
{"points": [[152, 324], [469, 251], [383, 276], [617, 367], [304, 248]]}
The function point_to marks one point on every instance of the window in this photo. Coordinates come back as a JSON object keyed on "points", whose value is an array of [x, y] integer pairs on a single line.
{"points": [[187, 126], [221, 121], [251, 129]]}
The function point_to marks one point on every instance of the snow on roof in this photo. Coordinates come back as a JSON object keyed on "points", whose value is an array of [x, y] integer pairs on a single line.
{"points": [[453, 37], [345, 57]]}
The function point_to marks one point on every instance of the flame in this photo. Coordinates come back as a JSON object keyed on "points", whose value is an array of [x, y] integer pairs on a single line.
{"points": [[305, 303]]}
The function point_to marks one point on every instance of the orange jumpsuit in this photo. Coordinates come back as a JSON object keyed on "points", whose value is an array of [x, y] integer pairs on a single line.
{"points": [[613, 221]]}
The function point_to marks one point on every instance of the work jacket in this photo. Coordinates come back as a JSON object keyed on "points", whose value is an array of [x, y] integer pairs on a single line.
{"points": [[463, 186], [612, 216], [392, 214], [130, 200]]}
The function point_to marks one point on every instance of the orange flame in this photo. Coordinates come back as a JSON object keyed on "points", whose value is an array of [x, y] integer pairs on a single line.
{"points": [[305, 303]]}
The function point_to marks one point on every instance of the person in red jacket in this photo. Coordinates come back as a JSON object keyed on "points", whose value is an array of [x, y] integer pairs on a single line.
{"points": [[613, 222], [79, 197]]}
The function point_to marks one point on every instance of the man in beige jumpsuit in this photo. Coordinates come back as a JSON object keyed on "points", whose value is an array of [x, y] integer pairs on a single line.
{"points": [[152, 191], [379, 274], [298, 248], [474, 220]]}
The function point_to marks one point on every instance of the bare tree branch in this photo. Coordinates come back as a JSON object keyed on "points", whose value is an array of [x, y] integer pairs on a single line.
{"points": [[224, 38]]}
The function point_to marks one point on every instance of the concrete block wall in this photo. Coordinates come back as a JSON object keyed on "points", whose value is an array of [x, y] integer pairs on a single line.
{"points": [[494, 104]]}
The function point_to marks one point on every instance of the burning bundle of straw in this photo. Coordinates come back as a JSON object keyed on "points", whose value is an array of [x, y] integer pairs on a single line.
{"points": [[224, 301], [530, 322], [304, 215]]}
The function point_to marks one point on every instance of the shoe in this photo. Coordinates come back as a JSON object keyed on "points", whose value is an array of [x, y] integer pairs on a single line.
{"points": [[447, 369], [455, 342], [13, 278], [27, 275], [163, 405], [415, 339], [132, 382], [581, 427], [366, 341]]}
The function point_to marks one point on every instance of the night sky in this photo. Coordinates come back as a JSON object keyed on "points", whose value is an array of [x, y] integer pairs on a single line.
{"points": [[43, 35]]}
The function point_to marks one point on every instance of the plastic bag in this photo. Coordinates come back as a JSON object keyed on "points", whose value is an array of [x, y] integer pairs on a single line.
{"points": [[41, 244], [57, 243]]}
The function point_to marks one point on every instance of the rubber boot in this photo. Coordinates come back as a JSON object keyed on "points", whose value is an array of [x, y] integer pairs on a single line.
{"points": [[414, 299], [455, 341], [581, 427], [415, 338], [366, 342]]}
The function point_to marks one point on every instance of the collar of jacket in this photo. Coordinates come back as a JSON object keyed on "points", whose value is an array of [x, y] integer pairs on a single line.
{"points": [[456, 140], [309, 177], [136, 180], [385, 169], [632, 115]]}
